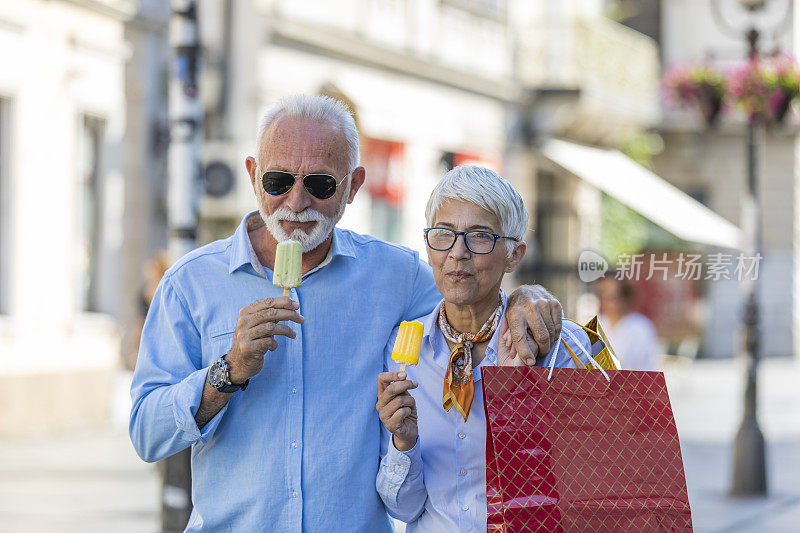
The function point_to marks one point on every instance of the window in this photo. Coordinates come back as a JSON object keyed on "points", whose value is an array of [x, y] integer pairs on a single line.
{"points": [[549, 245], [90, 189], [5, 210], [555, 223]]}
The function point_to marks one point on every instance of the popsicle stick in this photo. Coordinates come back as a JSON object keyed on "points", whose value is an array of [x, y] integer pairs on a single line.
{"points": [[287, 291], [403, 366]]}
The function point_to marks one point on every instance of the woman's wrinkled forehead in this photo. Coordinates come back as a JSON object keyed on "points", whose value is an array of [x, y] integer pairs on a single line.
{"points": [[460, 214]]}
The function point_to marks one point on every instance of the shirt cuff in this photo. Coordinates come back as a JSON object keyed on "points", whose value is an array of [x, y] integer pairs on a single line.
{"points": [[411, 459], [185, 404], [401, 466]]}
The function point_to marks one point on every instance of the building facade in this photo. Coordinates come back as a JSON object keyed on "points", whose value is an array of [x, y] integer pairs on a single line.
{"points": [[62, 201]]}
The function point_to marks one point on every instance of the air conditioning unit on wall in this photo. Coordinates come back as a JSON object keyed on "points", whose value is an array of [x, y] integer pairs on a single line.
{"points": [[222, 180]]}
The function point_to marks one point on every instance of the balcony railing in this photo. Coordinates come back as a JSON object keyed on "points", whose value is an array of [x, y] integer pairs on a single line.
{"points": [[454, 34], [614, 67]]}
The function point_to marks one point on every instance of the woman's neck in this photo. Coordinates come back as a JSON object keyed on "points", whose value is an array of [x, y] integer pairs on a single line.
{"points": [[471, 318]]}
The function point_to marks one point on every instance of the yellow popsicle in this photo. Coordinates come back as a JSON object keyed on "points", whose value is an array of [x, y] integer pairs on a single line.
{"points": [[407, 344], [288, 265]]}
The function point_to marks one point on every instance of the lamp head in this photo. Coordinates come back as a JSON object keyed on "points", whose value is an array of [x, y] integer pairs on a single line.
{"points": [[753, 5]]}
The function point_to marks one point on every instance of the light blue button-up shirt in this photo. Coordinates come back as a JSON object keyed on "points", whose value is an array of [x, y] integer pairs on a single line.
{"points": [[299, 449], [439, 486]]}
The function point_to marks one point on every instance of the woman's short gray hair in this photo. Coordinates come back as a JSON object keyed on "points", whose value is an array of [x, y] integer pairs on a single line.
{"points": [[488, 190], [315, 107]]}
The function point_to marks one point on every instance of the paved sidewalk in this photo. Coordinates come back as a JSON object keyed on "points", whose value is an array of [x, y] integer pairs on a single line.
{"points": [[88, 482], [708, 479], [93, 481], [707, 401]]}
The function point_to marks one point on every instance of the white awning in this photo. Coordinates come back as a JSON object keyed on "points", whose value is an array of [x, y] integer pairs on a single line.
{"points": [[643, 191]]}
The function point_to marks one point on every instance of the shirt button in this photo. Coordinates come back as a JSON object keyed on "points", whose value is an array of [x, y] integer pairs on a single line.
{"points": [[294, 494], [462, 435], [465, 507], [294, 444], [294, 390], [463, 471]]}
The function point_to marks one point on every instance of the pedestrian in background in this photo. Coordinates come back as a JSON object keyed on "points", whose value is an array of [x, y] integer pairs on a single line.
{"points": [[632, 334]]}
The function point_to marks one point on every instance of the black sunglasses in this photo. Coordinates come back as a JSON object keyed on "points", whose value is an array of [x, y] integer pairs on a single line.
{"points": [[278, 182]]}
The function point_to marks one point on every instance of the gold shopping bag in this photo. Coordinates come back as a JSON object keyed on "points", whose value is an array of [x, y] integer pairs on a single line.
{"points": [[602, 353]]}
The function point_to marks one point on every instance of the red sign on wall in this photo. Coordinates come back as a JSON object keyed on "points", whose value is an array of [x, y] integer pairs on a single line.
{"points": [[384, 163]]}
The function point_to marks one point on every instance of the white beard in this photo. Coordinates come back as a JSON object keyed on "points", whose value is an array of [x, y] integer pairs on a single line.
{"points": [[309, 241]]}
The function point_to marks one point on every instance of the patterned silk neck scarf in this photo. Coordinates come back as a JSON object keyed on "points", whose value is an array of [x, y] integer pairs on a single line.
{"points": [[459, 389]]}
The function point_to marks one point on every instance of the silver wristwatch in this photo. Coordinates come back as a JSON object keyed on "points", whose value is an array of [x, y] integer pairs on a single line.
{"points": [[219, 377]]}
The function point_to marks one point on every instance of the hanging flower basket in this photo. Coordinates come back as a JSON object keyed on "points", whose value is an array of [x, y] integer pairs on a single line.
{"points": [[698, 87], [764, 90], [783, 81], [749, 88]]}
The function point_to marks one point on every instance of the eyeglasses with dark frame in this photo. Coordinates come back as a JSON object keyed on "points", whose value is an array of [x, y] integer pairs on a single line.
{"points": [[476, 241], [321, 186]]}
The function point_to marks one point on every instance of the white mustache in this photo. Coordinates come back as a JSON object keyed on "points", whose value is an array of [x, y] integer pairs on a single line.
{"points": [[307, 215]]}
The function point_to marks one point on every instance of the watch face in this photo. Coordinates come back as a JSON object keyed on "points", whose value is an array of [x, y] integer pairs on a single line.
{"points": [[216, 376]]}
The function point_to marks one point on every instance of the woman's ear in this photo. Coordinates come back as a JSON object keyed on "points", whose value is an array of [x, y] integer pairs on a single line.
{"points": [[516, 256]]}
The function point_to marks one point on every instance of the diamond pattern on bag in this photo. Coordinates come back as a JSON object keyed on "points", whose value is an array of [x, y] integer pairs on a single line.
{"points": [[580, 454]]}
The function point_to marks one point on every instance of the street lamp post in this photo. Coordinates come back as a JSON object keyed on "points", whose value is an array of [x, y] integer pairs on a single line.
{"points": [[749, 459], [186, 121], [749, 462]]}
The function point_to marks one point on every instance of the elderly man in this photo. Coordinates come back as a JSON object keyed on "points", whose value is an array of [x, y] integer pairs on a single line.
{"points": [[289, 441]]}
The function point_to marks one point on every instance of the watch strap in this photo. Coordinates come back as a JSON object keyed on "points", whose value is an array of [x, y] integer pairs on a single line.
{"points": [[233, 388]]}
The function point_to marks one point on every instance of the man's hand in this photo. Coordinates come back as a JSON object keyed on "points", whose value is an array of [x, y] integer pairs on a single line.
{"points": [[397, 408], [534, 322], [255, 335], [506, 354]]}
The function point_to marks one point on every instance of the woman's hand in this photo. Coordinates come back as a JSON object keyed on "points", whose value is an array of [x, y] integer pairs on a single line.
{"points": [[397, 408], [506, 354]]}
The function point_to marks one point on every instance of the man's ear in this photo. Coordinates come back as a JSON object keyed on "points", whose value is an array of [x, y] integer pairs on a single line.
{"points": [[516, 256], [251, 165], [356, 181]]}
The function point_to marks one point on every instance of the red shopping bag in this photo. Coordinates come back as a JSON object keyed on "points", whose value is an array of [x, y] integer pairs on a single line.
{"points": [[580, 453]]}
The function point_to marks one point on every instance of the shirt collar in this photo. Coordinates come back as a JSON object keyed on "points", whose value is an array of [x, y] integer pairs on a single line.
{"points": [[441, 353], [242, 252]]}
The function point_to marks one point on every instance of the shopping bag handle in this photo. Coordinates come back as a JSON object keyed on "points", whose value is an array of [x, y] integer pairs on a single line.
{"points": [[600, 335], [578, 362], [580, 346]]}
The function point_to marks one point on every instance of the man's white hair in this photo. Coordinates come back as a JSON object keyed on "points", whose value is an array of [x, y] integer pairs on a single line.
{"points": [[315, 107], [488, 190]]}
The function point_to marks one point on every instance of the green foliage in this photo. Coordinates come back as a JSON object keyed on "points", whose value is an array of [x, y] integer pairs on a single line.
{"points": [[641, 147], [624, 231]]}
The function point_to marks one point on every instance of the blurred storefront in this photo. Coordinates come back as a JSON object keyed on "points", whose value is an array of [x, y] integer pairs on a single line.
{"points": [[62, 203], [591, 84]]}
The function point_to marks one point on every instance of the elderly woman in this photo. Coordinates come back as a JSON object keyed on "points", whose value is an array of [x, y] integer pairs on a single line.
{"points": [[433, 459]]}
